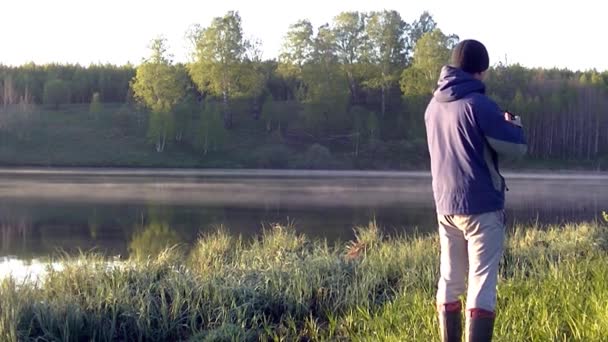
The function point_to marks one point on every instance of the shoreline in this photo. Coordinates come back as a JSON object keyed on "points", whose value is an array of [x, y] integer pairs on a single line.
{"points": [[285, 286], [220, 172]]}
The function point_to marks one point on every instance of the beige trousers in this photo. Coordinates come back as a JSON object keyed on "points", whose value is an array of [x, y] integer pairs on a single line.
{"points": [[470, 244]]}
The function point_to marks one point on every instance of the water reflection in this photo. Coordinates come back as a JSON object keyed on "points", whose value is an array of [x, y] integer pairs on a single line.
{"points": [[22, 270], [130, 213], [153, 235]]}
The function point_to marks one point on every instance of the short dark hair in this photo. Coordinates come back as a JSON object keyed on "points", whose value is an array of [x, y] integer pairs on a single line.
{"points": [[470, 56]]}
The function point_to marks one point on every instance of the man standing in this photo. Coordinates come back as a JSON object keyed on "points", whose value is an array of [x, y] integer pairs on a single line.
{"points": [[467, 134]]}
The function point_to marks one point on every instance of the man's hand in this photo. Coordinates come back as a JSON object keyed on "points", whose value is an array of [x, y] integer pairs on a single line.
{"points": [[513, 119]]}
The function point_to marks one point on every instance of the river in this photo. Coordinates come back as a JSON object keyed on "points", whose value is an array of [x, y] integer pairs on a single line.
{"points": [[117, 212]]}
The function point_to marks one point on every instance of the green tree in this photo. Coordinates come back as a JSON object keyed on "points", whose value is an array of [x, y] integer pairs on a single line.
{"points": [[296, 52], [419, 80], [349, 33], [161, 127], [421, 26], [431, 53], [372, 128], [387, 51], [596, 79], [360, 131], [254, 77], [297, 48], [221, 64], [519, 103], [95, 106], [327, 96], [212, 134], [183, 116], [56, 93], [279, 114], [160, 86]]}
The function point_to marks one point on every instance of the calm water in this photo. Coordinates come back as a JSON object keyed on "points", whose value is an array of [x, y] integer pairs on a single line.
{"points": [[119, 212]]}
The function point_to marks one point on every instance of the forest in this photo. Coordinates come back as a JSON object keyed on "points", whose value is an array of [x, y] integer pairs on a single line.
{"points": [[347, 94]]}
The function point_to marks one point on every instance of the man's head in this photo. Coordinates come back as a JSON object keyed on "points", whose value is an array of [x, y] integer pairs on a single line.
{"points": [[471, 56]]}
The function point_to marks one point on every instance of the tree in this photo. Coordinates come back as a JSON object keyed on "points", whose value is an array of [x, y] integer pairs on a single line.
{"points": [[431, 53], [420, 79], [56, 93], [95, 106], [279, 114], [372, 127], [423, 25], [159, 85], [211, 133], [254, 77], [387, 51], [9, 95], [365, 127], [350, 35], [327, 96], [183, 115], [220, 67], [296, 52], [161, 127]]}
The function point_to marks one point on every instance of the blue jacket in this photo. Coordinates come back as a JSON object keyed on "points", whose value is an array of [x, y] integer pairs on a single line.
{"points": [[467, 133]]}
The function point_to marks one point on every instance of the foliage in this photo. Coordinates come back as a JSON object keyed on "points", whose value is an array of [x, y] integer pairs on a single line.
{"points": [[211, 134], [318, 156], [95, 107], [160, 86], [431, 53], [297, 49], [26, 82], [324, 80], [225, 64], [387, 51], [56, 93], [283, 286], [271, 157]]}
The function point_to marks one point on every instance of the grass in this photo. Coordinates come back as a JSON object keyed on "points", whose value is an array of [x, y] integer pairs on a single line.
{"points": [[281, 286]]}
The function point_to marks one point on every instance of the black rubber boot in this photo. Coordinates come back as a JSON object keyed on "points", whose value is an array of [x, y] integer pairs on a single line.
{"points": [[450, 323], [480, 328]]}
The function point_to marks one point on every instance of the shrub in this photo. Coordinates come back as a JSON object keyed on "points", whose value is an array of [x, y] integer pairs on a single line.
{"points": [[318, 156], [271, 157]]}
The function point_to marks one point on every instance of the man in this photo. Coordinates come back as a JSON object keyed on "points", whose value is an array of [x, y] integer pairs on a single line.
{"points": [[467, 134]]}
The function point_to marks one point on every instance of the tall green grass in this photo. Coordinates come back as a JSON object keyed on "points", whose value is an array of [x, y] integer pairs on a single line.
{"points": [[281, 286]]}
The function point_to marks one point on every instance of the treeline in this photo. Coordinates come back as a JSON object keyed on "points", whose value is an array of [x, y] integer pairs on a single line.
{"points": [[357, 86], [565, 113], [26, 83]]}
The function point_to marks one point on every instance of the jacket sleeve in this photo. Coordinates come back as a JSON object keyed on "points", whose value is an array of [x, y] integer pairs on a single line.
{"points": [[504, 137]]}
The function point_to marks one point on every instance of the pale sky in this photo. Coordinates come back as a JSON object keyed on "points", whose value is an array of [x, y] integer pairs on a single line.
{"points": [[532, 32]]}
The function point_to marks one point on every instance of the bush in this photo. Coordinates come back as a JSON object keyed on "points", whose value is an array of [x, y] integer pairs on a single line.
{"points": [[56, 93], [271, 157], [317, 157]]}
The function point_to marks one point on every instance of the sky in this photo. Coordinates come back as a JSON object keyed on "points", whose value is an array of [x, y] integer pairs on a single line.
{"points": [[534, 33]]}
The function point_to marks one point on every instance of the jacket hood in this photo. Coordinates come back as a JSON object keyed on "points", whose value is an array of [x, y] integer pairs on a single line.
{"points": [[455, 84]]}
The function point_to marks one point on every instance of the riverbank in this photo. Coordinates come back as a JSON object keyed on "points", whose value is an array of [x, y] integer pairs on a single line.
{"points": [[118, 136], [282, 285]]}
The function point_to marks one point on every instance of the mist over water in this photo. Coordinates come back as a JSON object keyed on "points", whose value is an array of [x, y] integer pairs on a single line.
{"points": [[120, 212]]}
